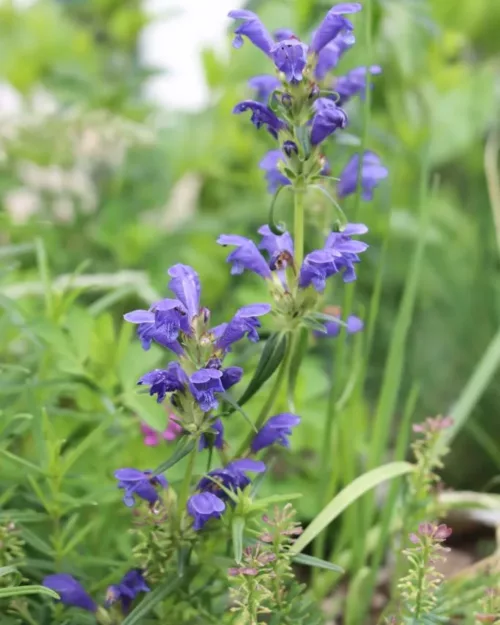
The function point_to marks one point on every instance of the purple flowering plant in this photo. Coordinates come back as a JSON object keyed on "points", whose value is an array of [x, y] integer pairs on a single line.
{"points": [[214, 507]]}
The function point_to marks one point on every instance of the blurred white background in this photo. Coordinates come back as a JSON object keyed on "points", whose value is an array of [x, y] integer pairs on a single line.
{"points": [[181, 30]]}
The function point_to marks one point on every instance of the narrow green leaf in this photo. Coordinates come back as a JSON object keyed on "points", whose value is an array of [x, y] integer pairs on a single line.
{"points": [[151, 600], [237, 528], [7, 251], [318, 563], [184, 447], [272, 355], [21, 461], [237, 408], [27, 590], [36, 542], [347, 496], [474, 389]]}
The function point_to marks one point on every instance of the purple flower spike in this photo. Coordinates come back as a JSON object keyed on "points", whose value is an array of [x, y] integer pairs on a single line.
{"points": [[142, 484], [163, 381], [204, 384], [127, 590], [261, 116], [233, 477], [264, 85], [203, 507], [354, 83], [290, 57], [333, 24], [331, 54], [252, 28], [276, 430], [245, 256], [244, 323], [328, 118], [354, 324], [274, 177], [372, 172], [218, 442], [185, 283], [70, 591]]}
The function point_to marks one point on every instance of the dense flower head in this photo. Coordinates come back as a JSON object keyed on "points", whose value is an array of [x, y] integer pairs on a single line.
{"points": [[203, 507], [372, 172], [277, 429], [292, 57], [130, 586], [339, 255], [142, 484], [182, 325], [70, 591]]}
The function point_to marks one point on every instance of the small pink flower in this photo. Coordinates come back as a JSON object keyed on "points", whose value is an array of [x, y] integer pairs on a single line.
{"points": [[433, 424], [152, 438]]}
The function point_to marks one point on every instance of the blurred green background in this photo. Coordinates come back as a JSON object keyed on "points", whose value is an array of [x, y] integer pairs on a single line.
{"points": [[118, 189]]}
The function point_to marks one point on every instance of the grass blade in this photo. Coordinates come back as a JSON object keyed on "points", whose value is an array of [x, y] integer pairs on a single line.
{"points": [[302, 558], [347, 496]]}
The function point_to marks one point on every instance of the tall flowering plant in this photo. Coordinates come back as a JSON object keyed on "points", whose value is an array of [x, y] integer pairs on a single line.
{"points": [[300, 105]]}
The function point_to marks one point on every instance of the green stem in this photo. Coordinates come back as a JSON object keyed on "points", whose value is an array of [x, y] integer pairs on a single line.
{"points": [[186, 482], [298, 227]]}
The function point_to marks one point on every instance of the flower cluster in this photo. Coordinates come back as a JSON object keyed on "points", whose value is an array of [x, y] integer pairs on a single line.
{"points": [[196, 379], [288, 283], [420, 587], [300, 106]]}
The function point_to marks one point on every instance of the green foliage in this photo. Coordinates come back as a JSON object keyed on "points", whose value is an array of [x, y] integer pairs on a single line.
{"points": [[101, 197]]}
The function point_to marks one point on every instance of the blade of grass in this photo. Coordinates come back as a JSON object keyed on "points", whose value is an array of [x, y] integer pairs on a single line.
{"points": [[474, 389], [347, 496]]}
